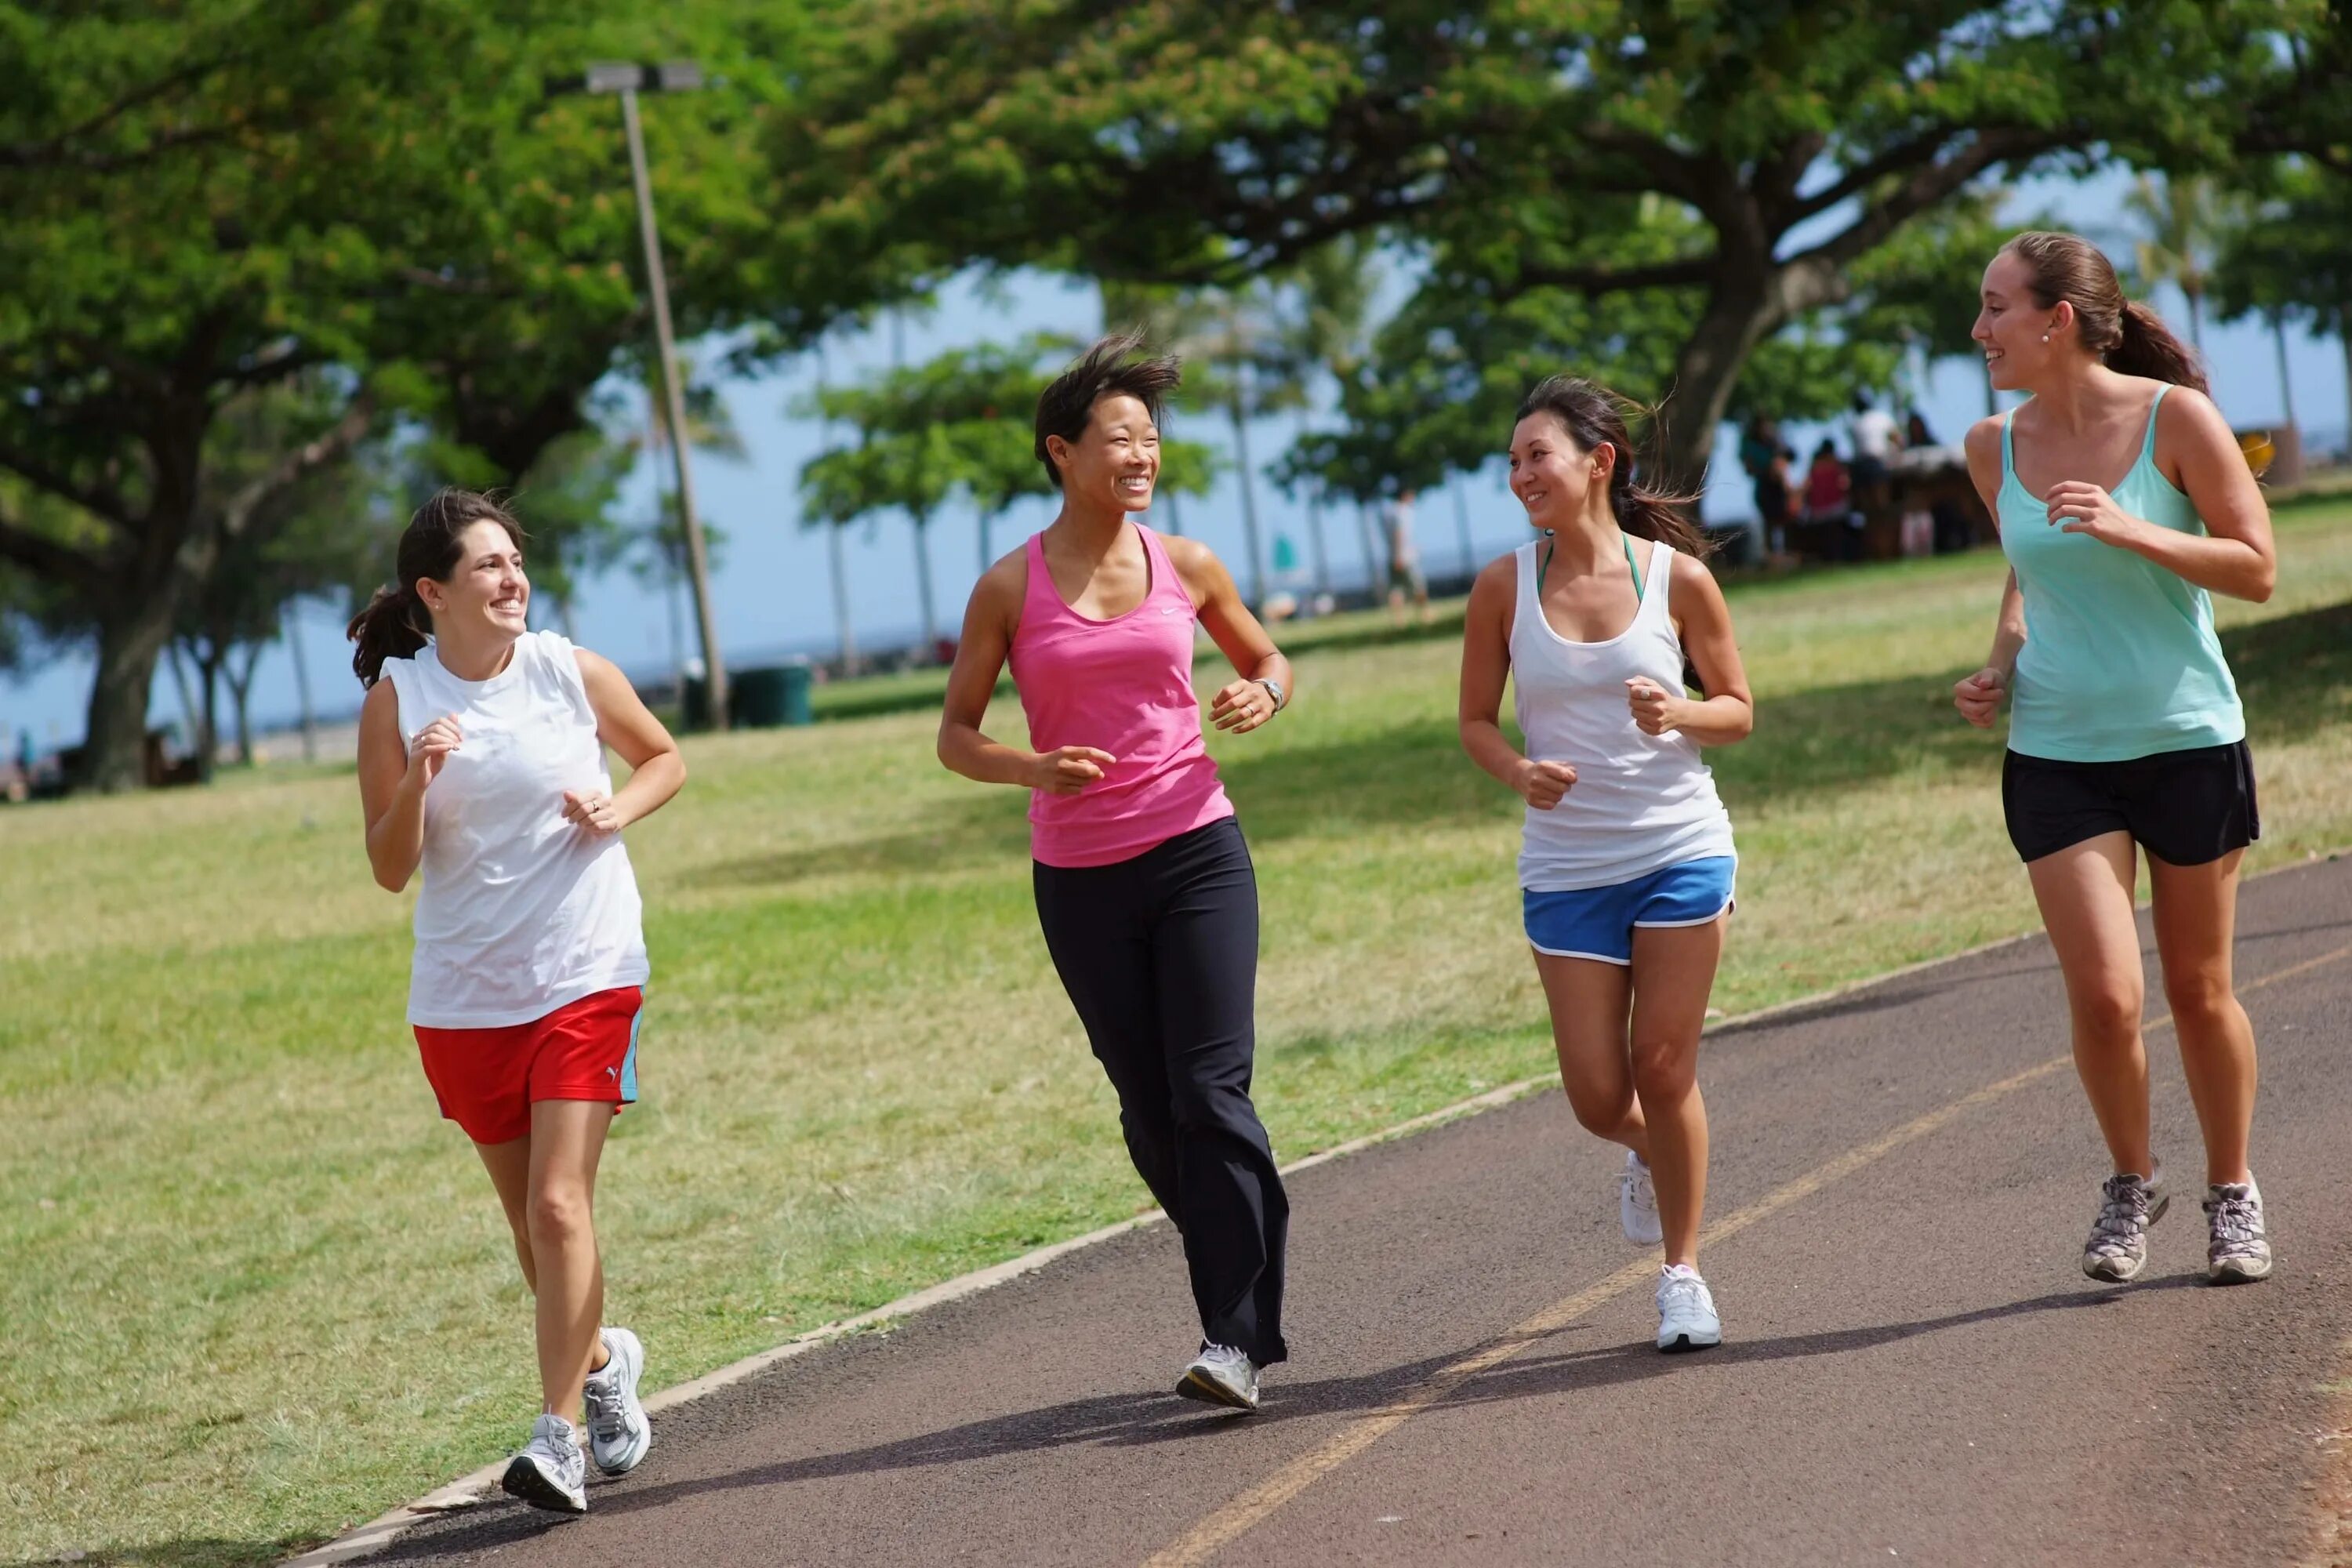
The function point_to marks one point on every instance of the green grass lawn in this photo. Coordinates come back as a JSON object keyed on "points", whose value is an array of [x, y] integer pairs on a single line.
{"points": [[252, 1289]]}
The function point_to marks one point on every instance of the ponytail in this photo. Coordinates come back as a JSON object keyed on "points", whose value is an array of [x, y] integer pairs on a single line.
{"points": [[1595, 416], [396, 624], [2146, 346]]}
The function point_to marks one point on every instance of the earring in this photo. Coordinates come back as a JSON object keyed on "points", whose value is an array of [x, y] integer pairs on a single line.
{"points": [[2045, 337]]}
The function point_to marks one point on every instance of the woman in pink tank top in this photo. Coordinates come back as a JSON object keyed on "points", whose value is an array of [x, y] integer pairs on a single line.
{"points": [[1145, 890]]}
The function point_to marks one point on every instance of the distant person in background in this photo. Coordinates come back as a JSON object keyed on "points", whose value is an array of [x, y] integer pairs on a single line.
{"points": [[1627, 861], [1144, 887], [481, 761], [1828, 493], [1405, 576], [1760, 441], [1774, 501], [2126, 734], [1917, 436], [1876, 439]]}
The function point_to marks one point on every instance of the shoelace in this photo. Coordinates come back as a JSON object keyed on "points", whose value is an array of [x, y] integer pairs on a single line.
{"points": [[606, 1417], [2237, 1224], [1682, 1292], [2122, 1218]]}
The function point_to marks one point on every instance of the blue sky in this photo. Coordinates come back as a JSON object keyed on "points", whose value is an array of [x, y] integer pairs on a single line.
{"points": [[772, 593]]}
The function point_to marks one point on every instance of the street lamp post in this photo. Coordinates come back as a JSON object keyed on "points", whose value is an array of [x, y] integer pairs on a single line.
{"points": [[627, 80]]}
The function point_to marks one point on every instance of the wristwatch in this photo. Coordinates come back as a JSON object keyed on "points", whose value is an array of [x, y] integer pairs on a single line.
{"points": [[1273, 689]]}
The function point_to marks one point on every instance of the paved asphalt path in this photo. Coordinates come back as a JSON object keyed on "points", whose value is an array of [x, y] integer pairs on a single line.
{"points": [[1915, 1369]]}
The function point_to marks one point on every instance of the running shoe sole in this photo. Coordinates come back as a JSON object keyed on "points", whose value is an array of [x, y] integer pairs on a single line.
{"points": [[2238, 1270], [528, 1482], [1209, 1391], [1684, 1343]]}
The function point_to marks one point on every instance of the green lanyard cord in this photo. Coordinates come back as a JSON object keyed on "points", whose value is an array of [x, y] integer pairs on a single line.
{"points": [[1624, 537]]}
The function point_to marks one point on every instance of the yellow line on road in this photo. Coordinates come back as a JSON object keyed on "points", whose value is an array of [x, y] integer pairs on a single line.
{"points": [[1251, 1509]]}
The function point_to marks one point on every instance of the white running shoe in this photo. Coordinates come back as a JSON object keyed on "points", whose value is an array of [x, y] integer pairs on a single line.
{"points": [[618, 1432], [550, 1472], [1637, 1204], [1686, 1320], [2238, 1247], [2128, 1206], [1221, 1374]]}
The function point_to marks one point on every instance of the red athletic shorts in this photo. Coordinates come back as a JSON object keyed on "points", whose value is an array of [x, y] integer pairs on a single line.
{"points": [[488, 1080]]}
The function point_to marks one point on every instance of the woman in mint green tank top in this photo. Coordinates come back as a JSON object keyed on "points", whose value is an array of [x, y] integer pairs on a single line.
{"points": [[2124, 504]]}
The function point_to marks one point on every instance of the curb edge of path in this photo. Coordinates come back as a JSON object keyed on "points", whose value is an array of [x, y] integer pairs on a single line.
{"points": [[467, 1491]]}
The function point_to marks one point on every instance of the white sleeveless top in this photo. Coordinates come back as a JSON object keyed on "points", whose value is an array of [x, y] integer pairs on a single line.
{"points": [[522, 912], [1640, 802]]}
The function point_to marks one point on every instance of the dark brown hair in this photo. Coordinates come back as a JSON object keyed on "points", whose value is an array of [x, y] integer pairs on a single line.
{"points": [[1121, 363], [2127, 333], [395, 623], [1595, 416]]}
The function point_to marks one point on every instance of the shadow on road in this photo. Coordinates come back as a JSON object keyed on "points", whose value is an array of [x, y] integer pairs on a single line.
{"points": [[1143, 1418]]}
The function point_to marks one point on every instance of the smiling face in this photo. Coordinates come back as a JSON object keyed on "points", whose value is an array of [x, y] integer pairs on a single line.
{"points": [[1115, 461], [1551, 477], [485, 594], [2011, 321]]}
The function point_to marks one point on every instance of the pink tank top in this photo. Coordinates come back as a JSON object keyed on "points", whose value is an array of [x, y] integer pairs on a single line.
{"points": [[1125, 686]]}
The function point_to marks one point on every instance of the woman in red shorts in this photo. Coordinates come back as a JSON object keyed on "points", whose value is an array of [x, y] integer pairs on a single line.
{"points": [[482, 760]]}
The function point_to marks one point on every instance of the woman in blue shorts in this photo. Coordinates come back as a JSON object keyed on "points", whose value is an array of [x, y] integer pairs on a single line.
{"points": [[1626, 862]]}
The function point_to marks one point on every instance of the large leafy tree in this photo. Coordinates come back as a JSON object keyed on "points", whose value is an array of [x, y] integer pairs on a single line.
{"points": [[1194, 140], [202, 210], [2292, 260]]}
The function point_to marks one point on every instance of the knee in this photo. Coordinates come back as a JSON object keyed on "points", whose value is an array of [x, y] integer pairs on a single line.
{"points": [[2201, 998], [1665, 1071], [2108, 1015], [559, 1213], [1211, 1106], [1600, 1111]]}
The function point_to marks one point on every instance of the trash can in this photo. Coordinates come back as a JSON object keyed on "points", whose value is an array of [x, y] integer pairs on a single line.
{"points": [[694, 703], [767, 695]]}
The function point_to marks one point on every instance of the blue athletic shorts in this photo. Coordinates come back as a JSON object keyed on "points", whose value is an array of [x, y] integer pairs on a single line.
{"points": [[1599, 923]]}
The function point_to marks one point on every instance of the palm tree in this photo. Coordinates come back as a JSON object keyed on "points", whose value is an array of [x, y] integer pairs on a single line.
{"points": [[2183, 219], [1329, 334]]}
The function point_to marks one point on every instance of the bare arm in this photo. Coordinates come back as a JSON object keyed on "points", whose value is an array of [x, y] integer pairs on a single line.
{"points": [[1728, 712], [2235, 555], [392, 782], [1979, 696], [989, 623], [625, 724], [1486, 665], [1245, 704]]}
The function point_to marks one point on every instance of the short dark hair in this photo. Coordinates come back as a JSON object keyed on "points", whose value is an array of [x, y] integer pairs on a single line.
{"points": [[1121, 363]]}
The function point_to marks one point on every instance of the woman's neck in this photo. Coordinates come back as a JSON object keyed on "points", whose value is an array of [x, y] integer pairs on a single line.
{"points": [[469, 659], [1091, 529], [2074, 401], [1592, 539]]}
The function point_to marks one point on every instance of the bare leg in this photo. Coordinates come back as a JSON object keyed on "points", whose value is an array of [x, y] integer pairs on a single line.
{"points": [[2086, 894], [1590, 1001], [1674, 971], [567, 1138], [2196, 924], [509, 1164]]}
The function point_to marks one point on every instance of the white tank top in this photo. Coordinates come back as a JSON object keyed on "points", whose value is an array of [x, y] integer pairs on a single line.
{"points": [[521, 911], [1640, 802]]}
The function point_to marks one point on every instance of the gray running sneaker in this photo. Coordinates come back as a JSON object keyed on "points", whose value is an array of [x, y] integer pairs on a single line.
{"points": [[1223, 1375], [2129, 1204], [550, 1472], [618, 1432], [1637, 1204], [2238, 1249]]}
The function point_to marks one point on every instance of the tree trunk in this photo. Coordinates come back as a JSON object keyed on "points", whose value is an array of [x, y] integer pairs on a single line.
{"points": [[923, 586], [1315, 527], [1175, 518], [987, 523], [841, 627], [2286, 381], [1249, 503], [1373, 575], [208, 673], [1462, 525], [130, 641], [292, 632], [1742, 312], [2196, 319], [240, 696]]}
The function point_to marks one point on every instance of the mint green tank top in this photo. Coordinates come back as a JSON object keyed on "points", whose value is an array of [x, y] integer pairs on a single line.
{"points": [[2120, 659]]}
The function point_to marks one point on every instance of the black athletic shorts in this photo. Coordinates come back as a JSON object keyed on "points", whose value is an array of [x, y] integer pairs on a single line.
{"points": [[2186, 808]]}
